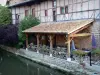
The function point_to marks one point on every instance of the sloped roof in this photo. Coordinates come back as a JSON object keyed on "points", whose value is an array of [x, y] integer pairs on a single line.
{"points": [[59, 27], [27, 2], [24, 2]]}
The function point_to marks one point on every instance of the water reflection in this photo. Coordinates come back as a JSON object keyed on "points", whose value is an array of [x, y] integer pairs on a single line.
{"points": [[11, 64]]}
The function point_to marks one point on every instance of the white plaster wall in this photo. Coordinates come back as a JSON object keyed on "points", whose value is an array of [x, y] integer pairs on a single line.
{"points": [[50, 13], [58, 2], [79, 0], [17, 11], [97, 6], [95, 29], [13, 16], [78, 6], [70, 1], [91, 4], [46, 5], [85, 6], [22, 13], [58, 10], [66, 2], [73, 6], [49, 4], [38, 7], [42, 6], [61, 3]]}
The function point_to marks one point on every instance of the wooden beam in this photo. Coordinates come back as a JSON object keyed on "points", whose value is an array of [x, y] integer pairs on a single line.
{"points": [[69, 41], [26, 40], [80, 35], [51, 44], [38, 42], [78, 30], [68, 46]]}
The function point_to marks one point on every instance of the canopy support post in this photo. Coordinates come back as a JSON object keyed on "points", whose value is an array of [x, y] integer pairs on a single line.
{"points": [[68, 47], [26, 42], [51, 44], [37, 36]]}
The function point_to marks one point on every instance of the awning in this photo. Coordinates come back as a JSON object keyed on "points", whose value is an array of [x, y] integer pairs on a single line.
{"points": [[60, 27]]}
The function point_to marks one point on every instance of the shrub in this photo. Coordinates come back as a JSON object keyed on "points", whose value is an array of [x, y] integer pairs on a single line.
{"points": [[5, 16], [96, 52], [80, 53], [26, 23], [8, 35]]}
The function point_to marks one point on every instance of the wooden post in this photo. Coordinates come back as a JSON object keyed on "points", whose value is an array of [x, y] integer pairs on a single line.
{"points": [[38, 42], [68, 48], [26, 41], [51, 44]]}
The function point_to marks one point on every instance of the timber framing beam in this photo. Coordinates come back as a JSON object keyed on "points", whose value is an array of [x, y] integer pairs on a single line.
{"points": [[38, 42], [26, 40], [80, 35], [37, 36], [68, 46], [51, 43]]}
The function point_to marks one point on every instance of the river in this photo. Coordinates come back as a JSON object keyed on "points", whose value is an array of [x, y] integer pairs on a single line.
{"points": [[11, 64]]}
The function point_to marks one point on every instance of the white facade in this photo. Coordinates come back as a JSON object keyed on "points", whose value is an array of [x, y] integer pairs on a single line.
{"points": [[77, 9]]}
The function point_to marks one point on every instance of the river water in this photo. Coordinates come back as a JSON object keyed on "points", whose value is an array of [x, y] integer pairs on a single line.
{"points": [[11, 64]]}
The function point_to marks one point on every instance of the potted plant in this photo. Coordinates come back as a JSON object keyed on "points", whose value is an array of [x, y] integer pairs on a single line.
{"points": [[80, 54], [96, 54]]}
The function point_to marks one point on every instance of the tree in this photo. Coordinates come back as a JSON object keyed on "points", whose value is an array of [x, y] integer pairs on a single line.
{"points": [[5, 16], [8, 35], [26, 23], [8, 32]]}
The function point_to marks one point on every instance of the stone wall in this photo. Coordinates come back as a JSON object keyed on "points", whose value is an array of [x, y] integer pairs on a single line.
{"points": [[95, 29]]}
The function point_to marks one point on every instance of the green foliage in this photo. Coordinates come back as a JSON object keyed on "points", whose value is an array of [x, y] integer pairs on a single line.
{"points": [[19, 45], [96, 52], [79, 53], [5, 15], [26, 23]]}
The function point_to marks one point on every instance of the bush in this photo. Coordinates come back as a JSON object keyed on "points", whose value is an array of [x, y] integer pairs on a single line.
{"points": [[80, 53], [8, 35], [5, 16], [96, 52], [26, 23]]}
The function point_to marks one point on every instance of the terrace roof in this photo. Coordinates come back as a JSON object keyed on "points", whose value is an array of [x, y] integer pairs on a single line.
{"points": [[60, 27]]}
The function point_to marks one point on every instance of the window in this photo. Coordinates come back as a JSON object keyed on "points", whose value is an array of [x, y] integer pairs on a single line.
{"points": [[54, 3], [54, 16], [33, 12], [16, 16], [26, 12], [46, 13], [66, 9], [62, 10]]}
